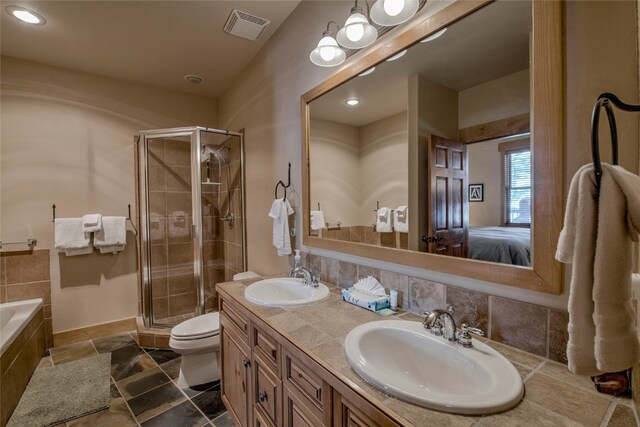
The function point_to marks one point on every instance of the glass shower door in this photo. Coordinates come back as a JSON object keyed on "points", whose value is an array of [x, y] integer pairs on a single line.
{"points": [[172, 265]]}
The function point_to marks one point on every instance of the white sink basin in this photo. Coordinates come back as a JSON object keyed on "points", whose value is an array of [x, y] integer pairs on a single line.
{"points": [[404, 360], [284, 291]]}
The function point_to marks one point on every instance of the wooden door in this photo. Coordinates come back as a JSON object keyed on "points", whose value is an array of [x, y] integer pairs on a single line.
{"points": [[235, 372], [447, 200]]}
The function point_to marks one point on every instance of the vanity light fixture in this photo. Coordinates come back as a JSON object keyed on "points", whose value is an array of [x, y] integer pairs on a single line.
{"points": [[25, 15], [357, 32], [367, 72], [434, 36], [352, 102], [397, 56], [393, 12], [328, 53]]}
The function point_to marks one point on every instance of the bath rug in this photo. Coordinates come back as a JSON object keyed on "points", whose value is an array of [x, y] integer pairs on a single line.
{"points": [[64, 392]]}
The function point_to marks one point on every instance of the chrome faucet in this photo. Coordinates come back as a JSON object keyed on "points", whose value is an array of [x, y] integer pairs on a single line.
{"points": [[447, 330], [433, 323], [308, 276]]}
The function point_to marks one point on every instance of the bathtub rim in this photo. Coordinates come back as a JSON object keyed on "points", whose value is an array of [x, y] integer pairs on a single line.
{"points": [[35, 304]]}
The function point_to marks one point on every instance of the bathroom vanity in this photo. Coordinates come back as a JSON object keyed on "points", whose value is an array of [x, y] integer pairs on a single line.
{"points": [[287, 367]]}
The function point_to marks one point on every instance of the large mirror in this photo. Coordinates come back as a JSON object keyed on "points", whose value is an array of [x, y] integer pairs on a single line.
{"points": [[426, 156]]}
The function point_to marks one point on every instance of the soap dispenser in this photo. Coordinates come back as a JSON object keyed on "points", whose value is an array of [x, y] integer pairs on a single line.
{"points": [[297, 260]]}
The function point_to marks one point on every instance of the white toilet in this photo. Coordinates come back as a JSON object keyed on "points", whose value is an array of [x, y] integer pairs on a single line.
{"points": [[197, 340]]}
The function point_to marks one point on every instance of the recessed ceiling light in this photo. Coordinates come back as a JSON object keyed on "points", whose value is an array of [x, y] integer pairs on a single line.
{"points": [[367, 72], [192, 78], [25, 15], [352, 102], [434, 36], [397, 55]]}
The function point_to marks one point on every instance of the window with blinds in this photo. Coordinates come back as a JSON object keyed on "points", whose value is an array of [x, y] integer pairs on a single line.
{"points": [[516, 183]]}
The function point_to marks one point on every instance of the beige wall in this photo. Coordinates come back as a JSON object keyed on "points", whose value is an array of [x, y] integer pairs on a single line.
{"points": [[67, 138], [484, 168], [335, 180], [265, 100], [384, 161], [497, 99]]}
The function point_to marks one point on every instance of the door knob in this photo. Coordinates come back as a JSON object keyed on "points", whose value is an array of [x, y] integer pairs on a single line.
{"points": [[246, 363], [262, 396]]}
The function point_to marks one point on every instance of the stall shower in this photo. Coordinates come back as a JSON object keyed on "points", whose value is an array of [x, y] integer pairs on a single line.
{"points": [[191, 208]]}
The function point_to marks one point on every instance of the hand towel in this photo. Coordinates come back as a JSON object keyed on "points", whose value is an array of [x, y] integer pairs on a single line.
{"points": [[280, 211], [384, 223], [82, 251], [114, 232], [597, 238], [576, 246], [616, 340], [69, 234], [401, 219], [317, 220], [111, 249], [91, 223]]}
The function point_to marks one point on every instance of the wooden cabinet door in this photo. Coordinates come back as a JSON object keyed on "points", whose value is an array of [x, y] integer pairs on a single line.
{"points": [[296, 414], [357, 413], [235, 376], [267, 390], [447, 201]]}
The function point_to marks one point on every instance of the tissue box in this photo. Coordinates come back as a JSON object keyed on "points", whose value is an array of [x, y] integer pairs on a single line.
{"points": [[362, 299]]}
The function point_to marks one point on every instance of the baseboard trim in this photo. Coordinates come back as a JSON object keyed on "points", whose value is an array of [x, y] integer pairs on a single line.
{"points": [[95, 331]]}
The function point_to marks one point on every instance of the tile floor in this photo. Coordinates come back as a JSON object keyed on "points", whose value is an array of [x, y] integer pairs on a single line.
{"points": [[143, 387]]}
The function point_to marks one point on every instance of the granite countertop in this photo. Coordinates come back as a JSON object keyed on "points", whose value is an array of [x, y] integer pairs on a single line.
{"points": [[553, 395]]}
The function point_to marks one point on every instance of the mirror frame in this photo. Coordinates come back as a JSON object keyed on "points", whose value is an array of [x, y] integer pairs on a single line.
{"points": [[547, 132]]}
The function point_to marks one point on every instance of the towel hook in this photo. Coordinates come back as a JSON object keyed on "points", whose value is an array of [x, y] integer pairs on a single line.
{"points": [[53, 208], [284, 186], [605, 100]]}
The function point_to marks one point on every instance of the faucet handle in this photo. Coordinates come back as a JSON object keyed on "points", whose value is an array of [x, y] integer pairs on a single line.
{"points": [[449, 309], [464, 336], [475, 331]]}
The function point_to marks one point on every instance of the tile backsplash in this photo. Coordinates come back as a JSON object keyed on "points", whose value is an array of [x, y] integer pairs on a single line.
{"points": [[25, 275], [533, 328]]}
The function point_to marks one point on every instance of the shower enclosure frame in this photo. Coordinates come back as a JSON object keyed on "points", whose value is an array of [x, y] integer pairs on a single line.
{"points": [[194, 134]]}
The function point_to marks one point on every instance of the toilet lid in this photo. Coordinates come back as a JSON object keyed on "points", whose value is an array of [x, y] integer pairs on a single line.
{"points": [[198, 327]]}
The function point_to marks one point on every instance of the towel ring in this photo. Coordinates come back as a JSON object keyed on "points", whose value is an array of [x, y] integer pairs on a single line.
{"points": [[605, 100]]}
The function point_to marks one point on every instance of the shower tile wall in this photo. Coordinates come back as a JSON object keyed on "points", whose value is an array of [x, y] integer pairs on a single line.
{"points": [[221, 238], [170, 223]]}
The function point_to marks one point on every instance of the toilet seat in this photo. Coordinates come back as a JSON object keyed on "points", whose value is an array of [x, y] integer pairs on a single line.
{"points": [[199, 327]]}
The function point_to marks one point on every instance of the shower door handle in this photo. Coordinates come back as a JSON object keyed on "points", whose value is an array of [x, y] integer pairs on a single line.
{"points": [[193, 231]]}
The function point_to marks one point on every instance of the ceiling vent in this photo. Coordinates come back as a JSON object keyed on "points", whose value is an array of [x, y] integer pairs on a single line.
{"points": [[247, 26]]}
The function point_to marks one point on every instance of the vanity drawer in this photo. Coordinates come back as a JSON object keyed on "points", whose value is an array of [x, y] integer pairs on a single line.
{"points": [[309, 387], [266, 346], [267, 390], [297, 412], [260, 420], [239, 320]]}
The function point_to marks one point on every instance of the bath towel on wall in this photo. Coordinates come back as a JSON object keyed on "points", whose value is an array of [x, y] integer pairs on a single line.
{"points": [[70, 237], [280, 211], [597, 239], [113, 235]]}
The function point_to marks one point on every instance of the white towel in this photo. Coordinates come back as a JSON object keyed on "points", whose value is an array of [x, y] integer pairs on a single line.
{"points": [[111, 249], [616, 343], [576, 246], [401, 219], [82, 251], [384, 223], [280, 211], [91, 223], [317, 220], [69, 234], [597, 241], [113, 233]]}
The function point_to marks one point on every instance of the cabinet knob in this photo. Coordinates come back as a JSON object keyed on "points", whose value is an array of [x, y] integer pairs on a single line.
{"points": [[262, 396], [246, 363]]}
